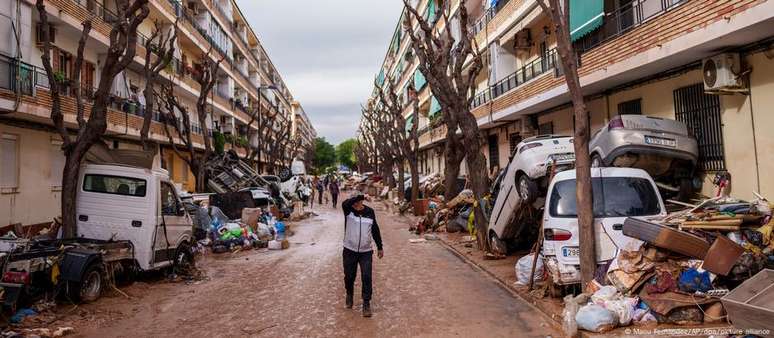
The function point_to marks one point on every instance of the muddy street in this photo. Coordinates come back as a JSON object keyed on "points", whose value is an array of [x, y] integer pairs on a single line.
{"points": [[419, 290]]}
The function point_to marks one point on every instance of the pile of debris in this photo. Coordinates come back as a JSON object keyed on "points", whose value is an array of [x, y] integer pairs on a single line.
{"points": [[685, 269], [257, 228]]}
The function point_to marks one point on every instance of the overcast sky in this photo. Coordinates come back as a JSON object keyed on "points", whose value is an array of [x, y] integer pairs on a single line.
{"points": [[327, 51]]}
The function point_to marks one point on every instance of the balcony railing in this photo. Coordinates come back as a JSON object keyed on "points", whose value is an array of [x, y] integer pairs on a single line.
{"points": [[489, 14], [526, 73], [181, 12], [624, 19]]}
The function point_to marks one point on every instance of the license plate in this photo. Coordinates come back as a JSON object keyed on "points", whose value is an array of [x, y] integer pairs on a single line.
{"points": [[565, 157], [660, 141], [571, 251]]}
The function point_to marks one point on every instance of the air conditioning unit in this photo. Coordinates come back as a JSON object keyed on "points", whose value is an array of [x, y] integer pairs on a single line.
{"points": [[39, 34], [722, 72], [523, 40], [193, 7]]}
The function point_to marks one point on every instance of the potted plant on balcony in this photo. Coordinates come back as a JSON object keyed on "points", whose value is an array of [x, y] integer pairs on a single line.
{"points": [[62, 81]]}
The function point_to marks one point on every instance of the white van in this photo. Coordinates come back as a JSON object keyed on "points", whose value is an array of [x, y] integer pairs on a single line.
{"points": [[619, 193], [118, 202]]}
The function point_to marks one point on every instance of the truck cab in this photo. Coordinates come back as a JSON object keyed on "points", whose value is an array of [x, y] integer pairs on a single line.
{"points": [[139, 205]]}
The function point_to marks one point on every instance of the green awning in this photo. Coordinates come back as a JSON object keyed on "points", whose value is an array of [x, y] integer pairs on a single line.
{"points": [[430, 12], [419, 80], [435, 107], [585, 16], [380, 78], [409, 123]]}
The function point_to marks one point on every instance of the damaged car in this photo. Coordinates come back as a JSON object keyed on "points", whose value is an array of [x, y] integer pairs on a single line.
{"points": [[662, 147], [618, 193], [523, 182]]}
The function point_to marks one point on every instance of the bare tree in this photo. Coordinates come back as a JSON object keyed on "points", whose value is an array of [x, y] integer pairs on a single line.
{"points": [[407, 141], [120, 53], [206, 77], [163, 46], [559, 13], [451, 68]]}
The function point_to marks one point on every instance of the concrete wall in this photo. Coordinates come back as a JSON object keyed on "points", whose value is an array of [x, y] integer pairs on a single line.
{"points": [[37, 199]]}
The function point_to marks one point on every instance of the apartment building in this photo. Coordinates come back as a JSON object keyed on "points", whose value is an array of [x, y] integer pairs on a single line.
{"points": [[636, 57], [31, 160], [302, 131]]}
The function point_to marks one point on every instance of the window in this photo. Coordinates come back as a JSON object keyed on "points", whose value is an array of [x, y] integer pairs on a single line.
{"points": [[9, 163], [546, 128], [514, 140], [57, 165], [169, 206], [701, 114], [494, 153], [633, 107], [613, 197], [115, 185]]}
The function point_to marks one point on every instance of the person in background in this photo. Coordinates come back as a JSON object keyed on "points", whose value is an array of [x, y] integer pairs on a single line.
{"points": [[333, 186], [320, 186], [360, 227]]}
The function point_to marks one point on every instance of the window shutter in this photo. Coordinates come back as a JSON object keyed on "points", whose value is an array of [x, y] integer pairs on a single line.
{"points": [[9, 161]]}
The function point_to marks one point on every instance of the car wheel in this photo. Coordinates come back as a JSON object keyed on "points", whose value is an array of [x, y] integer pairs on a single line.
{"points": [[90, 286], [184, 260], [527, 189], [686, 190], [596, 161], [497, 245]]}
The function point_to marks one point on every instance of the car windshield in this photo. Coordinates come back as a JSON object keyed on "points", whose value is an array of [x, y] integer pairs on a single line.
{"points": [[613, 197]]}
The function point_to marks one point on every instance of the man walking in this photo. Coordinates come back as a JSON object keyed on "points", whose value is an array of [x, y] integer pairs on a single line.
{"points": [[320, 186], [359, 227], [334, 188]]}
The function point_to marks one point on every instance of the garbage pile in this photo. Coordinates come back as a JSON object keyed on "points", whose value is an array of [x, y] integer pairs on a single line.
{"points": [[256, 229], [680, 269]]}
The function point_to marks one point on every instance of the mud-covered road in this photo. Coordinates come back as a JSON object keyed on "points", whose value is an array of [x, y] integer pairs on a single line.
{"points": [[419, 290]]}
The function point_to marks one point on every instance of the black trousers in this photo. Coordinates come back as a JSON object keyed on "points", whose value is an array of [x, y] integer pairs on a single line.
{"points": [[351, 260], [335, 198], [319, 197]]}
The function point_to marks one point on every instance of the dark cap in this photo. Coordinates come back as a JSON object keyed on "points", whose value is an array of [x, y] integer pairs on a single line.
{"points": [[358, 198]]}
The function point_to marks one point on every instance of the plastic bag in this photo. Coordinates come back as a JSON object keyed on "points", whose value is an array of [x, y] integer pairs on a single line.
{"points": [[623, 308], [692, 280], [569, 325], [604, 294], [524, 268], [596, 318]]}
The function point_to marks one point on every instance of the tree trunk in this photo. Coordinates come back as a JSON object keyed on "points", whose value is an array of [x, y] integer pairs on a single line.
{"points": [[453, 156], [413, 167], [401, 183], [476, 163], [69, 195]]}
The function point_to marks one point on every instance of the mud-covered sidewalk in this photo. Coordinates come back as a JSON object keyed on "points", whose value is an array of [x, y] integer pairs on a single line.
{"points": [[420, 289]]}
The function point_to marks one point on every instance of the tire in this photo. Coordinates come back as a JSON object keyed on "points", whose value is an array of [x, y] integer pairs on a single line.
{"points": [[497, 245], [528, 190], [128, 274], [183, 262], [596, 161], [686, 190], [89, 288]]}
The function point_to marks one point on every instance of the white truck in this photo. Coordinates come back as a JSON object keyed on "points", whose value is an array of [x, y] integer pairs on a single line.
{"points": [[130, 219]]}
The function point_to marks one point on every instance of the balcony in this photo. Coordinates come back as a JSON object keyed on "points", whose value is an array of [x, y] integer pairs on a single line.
{"points": [[180, 11], [624, 19], [480, 24], [526, 73]]}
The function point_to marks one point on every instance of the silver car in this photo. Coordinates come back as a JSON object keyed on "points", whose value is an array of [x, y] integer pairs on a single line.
{"points": [[662, 147]]}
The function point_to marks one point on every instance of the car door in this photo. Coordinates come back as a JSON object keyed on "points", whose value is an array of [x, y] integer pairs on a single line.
{"points": [[173, 225]]}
